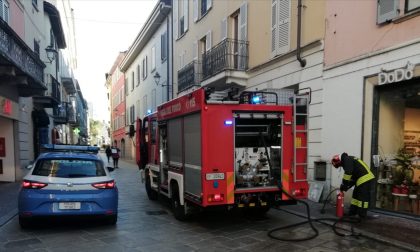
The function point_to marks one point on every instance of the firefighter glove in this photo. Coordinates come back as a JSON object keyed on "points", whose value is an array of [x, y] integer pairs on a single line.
{"points": [[343, 188]]}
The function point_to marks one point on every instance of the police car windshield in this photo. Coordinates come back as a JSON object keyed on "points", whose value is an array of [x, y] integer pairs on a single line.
{"points": [[69, 168]]}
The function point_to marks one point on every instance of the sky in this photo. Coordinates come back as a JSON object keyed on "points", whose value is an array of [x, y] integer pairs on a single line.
{"points": [[103, 29]]}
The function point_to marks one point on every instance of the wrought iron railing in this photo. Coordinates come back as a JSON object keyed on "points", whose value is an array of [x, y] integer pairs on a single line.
{"points": [[60, 113], [16, 51], [229, 54], [53, 88], [189, 76]]}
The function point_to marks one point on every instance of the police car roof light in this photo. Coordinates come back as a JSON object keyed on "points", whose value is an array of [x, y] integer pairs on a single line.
{"points": [[70, 148]]}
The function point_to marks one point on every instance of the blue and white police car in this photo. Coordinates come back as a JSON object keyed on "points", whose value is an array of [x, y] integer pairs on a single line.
{"points": [[68, 180]]}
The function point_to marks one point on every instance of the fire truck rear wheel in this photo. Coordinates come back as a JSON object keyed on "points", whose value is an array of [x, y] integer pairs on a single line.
{"points": [[178, 209], [151, 194]]}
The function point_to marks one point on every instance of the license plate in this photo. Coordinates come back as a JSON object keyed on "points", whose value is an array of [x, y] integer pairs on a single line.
{"points": [[215, 176], [69, 205]]}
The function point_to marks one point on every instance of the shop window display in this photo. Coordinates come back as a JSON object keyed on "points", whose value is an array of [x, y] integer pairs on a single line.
{"points": [[398, 175]]}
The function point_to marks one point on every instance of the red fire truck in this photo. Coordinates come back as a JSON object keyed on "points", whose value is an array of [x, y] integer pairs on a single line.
{"points": [[210, 148]]}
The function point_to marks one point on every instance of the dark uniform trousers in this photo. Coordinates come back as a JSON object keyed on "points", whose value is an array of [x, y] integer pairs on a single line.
{"points": [[357, 173]]}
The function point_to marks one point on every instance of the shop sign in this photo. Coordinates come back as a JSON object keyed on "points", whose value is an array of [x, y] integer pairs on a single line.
{"points": [[397, 75]]}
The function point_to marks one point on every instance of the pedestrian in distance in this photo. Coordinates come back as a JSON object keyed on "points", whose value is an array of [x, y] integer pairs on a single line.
{"points": [[356, 173], [115, 155], [108, 152]]}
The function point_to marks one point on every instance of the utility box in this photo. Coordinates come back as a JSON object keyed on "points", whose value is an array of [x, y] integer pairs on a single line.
{"points": [[320, 170]]}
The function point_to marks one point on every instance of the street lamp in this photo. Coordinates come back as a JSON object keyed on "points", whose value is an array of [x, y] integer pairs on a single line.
{"points": [[51, 53], [157, 81]]}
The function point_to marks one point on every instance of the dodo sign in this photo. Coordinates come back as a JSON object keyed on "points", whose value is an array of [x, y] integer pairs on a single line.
{"points": [[397, 75]]}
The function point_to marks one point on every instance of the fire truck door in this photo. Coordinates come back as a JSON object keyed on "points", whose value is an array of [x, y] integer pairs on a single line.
{"points": [[192, 154]]}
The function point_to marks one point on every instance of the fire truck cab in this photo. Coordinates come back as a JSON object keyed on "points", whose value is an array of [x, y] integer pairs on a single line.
{"points": [[211, 149]]}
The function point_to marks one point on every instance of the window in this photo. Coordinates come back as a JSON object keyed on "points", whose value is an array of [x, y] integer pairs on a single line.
{"points": [[52, 38], [36, 47], [180, 10], [126, 86], [411, 5], [4, 10], [138, 74], [280, 26], [201, 7], [154, 100], [163, 46], [144, 67], [145, 105], [132, 80], [35, 4], [138, 108], [153, 58], [132, 114], [69, 168], [387, 10]]}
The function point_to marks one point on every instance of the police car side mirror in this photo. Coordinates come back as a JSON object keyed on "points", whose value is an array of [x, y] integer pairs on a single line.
{"points": [[110, 169]]}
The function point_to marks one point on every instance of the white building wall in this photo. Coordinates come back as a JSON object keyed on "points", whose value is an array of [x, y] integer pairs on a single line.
{"points": [[147, 95], [287, 73], [348, 99]]}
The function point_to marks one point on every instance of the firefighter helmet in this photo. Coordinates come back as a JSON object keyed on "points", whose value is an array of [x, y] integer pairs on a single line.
{"points": [[336, 161]]}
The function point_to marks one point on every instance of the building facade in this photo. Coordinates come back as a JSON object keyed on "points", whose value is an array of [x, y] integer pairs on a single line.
{"points": [[372, 94], [116, 81], [147, 69], [34, 94]]}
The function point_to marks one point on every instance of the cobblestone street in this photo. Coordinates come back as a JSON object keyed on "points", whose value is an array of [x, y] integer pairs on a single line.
{"points": [[144, 225]]}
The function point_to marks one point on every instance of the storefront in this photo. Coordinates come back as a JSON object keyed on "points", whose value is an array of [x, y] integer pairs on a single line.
{"points": [[392, 122], [8, 116]]}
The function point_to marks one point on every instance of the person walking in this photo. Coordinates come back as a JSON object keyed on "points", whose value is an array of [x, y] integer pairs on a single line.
{"points": [[108, 152], [356, 173], [115, 155]]}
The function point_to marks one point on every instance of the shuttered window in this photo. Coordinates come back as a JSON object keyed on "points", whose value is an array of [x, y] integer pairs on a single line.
{"points": [[4, 10], [280, 26], [387, 10]]}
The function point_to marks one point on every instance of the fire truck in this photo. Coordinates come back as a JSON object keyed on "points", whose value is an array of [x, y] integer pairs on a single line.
{"points": [[220, 149]]}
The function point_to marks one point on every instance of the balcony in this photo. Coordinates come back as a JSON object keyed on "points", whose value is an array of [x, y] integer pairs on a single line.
{"points": [[52, 96], [189, 76], [60, 113], [20, 65]]}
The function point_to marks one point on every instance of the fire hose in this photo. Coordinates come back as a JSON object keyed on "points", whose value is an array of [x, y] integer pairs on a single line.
{"points": [[308, 216], [311, 220]]}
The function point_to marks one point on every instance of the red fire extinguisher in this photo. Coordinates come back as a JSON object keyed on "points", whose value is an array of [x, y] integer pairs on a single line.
{"points": [[339, 208]]}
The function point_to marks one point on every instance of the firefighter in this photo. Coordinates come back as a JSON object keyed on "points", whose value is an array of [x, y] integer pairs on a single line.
{"points": [[356, 173]]}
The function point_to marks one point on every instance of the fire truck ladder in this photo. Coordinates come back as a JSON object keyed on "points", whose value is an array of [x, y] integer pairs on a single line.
{"points": [[300, 135]]}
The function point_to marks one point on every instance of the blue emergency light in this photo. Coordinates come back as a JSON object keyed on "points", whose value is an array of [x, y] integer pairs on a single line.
{"points": [[228, 122], [256, 99]]}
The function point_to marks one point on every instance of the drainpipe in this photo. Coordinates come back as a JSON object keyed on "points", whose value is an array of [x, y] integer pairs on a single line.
{"points": [[299, 28], [168, 81]]}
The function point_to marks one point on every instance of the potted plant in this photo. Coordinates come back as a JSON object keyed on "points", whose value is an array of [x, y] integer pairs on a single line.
{"points": [[403, 172]]}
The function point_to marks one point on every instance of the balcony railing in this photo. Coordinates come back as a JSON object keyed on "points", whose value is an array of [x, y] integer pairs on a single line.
{"points": [[230, 54], [189, 76], [60, 113], [14, 50], [53, 88]]}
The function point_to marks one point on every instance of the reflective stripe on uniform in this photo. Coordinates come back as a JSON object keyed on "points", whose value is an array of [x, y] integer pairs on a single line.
{"points": [[347, 177], [359, 203], [365, 177]]}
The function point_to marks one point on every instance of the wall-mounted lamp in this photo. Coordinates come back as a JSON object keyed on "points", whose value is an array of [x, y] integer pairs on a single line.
{"points": [[51, 53], [157, 78]]}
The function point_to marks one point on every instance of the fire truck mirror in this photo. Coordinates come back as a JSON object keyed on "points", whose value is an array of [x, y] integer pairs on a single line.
{"points": [[143, 156], [131, 130]]}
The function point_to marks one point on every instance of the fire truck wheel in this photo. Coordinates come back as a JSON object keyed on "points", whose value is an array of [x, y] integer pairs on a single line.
{"points": [[151, 194], [178, 209]]}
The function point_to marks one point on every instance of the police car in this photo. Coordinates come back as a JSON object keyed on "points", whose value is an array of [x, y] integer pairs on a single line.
{"points": [[68, 180]]}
